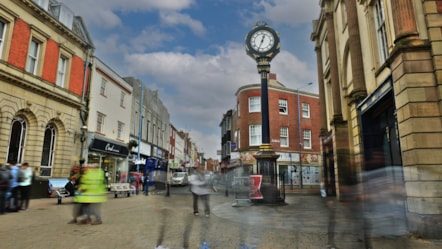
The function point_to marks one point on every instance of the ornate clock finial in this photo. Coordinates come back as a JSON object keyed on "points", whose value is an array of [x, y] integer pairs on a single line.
{"points": [[261, 23]]}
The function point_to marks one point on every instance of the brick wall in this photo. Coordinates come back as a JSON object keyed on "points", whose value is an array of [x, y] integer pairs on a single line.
{"points": [[276, 120], [51, 61], [77, 72], [19, 44]]}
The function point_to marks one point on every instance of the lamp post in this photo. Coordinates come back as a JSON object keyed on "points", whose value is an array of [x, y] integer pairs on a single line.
{"points": [[140, 127], [300, 135]]}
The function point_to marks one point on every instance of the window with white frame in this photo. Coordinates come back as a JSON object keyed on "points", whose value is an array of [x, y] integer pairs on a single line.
{"points": [[284, 136], [31, 63], [283, 106], [100, 122], [381, 32], [325, 53], [344, 13], [255, 135], [61, 71], [307, 139], [2, 36], [238, 110], [17, 140], [48, 152], [255, 104], [305, 110], [122, 96], [120, 130], [103, 86]]}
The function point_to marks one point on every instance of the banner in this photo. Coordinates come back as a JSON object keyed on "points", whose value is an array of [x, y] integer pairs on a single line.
{"points": [[255, 187]]}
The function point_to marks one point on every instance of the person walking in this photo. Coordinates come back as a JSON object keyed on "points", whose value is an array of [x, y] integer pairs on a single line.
{"points": [[92, 192], [25, 185], [200, 190], [14, 188], [5, 177], [146, 184]]}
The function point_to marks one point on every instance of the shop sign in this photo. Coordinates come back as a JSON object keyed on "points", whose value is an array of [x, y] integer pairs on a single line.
{"points": [[109, 147]]}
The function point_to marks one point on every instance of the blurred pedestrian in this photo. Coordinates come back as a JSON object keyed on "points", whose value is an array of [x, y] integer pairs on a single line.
{"points": [[71, 186], [25, 185], [146, 184], [5, 177], [200, 189], [14, 188], [92, 192]]}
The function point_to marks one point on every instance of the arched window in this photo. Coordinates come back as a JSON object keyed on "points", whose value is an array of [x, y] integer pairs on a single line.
{"points": [[47, 155], [17, 140]]}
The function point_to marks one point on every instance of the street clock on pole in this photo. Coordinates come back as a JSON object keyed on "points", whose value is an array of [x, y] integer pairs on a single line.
{"points": [[262, 42]]}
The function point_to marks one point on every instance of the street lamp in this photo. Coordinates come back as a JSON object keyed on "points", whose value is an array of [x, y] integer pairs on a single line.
{"points": [[140, 119], [299, 134]]}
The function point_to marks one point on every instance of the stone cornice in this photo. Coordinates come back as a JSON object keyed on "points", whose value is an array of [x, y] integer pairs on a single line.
{"points": [[43, 88]]}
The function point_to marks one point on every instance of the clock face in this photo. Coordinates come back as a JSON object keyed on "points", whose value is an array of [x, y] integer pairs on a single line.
{"points": [[262, 41]]}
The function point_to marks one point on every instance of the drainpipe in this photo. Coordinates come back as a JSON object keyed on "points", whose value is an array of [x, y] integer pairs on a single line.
{"points": [[83, 110]]}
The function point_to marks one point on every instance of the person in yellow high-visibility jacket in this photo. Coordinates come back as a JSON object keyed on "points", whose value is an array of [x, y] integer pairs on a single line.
{"points": [[92, 191]]}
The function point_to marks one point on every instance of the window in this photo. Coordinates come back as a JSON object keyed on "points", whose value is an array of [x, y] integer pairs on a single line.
{"points": [[17, 140], [325, 53], [61, 71], [307, 139], [284, 136], [2, 36], [305, 110], [103, 86], [238, 110], [238, 140], [255, 104], [31, 64], [344, 13], [120, 129], [255, 135], [100, 122], [381, 31], [47, 155], [122, 99], [282, 106]]}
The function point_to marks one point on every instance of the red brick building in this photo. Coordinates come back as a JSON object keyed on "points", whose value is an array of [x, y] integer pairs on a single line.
{"points": [[284, 132]]}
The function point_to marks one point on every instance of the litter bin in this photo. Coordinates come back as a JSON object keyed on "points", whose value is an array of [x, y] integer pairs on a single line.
{"points": [[39, 188]]}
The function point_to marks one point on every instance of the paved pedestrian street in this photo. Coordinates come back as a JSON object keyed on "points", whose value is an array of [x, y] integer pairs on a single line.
{"points": [[157, 221]]}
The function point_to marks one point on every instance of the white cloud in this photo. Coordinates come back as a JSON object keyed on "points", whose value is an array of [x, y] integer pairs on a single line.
{"points": [[101, 13], [149, 38], [172, 18], [290, 12]]}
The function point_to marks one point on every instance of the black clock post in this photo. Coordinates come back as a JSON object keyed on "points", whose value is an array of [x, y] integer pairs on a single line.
{"points": [[262, 44]]}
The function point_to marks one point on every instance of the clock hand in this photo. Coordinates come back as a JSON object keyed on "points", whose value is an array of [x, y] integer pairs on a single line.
{"points": [[262, 40]]}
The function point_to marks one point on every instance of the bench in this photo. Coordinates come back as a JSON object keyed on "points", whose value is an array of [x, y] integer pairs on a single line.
{"points": [[56, 188], [121, 189]]}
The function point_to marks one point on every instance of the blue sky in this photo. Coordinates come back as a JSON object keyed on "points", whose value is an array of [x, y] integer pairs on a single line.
{"points": [[192, 51]]}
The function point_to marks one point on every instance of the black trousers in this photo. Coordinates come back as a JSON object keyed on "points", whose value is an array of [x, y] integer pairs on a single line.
{"points": [[25, 192], [205, 199]]}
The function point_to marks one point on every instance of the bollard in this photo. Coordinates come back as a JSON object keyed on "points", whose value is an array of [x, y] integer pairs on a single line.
{"points": [[167, 190], [59, 201]]}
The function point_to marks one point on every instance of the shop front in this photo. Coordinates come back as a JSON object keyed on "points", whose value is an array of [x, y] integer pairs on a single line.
{"points": [[290, 172], [111, 155]]}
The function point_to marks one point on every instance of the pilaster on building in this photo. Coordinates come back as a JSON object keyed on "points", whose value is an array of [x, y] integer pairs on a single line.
{"points": [[380, 82]]}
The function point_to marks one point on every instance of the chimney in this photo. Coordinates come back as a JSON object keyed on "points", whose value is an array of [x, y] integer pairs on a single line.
{"points": [[272, 76]]}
